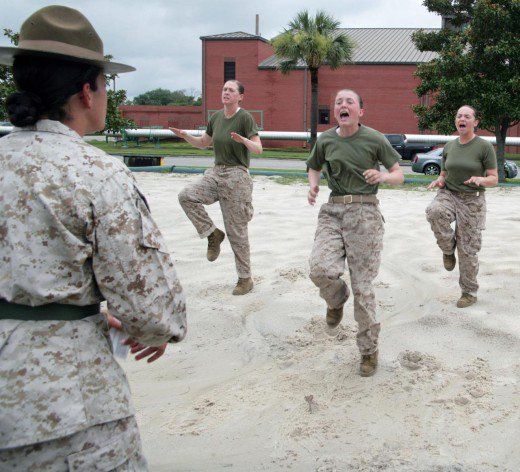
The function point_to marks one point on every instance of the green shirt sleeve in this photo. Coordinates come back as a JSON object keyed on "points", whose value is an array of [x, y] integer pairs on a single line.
{"points": [[209, 128], [443, 160], [388, 156], [251, 129], [489, 159], [317, 157]]}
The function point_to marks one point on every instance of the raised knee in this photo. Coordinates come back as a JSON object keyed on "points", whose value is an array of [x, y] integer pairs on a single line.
{"points": [[435, 212], [183, 196]]}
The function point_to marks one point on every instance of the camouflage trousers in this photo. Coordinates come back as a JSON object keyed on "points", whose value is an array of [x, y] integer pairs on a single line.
{"points": [[468, 211], [353, 232], [232, 187], [114, 446]]}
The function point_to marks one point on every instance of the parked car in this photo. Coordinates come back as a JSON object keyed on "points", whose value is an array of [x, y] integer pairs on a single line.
{"points": [[429, 163], [404, 148]]}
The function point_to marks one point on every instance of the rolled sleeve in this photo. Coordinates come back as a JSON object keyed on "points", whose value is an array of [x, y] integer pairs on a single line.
{"points": [[132, 266]]}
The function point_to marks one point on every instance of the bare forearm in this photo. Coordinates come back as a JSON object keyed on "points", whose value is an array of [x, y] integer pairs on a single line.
{"points": [[395, 177], [314, 177], [196, 141], [254, 146]]}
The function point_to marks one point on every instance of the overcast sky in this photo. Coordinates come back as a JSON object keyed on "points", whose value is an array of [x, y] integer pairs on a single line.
{"points": [[161, 38]]}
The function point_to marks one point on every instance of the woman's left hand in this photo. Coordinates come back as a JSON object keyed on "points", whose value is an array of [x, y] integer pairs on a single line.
{"points": [[144, 351], [373, 176], [477, 180], [236, 137], [135, 347]]}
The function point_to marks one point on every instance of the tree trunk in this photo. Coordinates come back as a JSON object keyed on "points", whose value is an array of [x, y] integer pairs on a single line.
{"points": [[314, 106], [500, 134]]}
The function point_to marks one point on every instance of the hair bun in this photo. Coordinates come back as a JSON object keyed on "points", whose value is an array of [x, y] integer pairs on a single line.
{"points": [[24, 108]]}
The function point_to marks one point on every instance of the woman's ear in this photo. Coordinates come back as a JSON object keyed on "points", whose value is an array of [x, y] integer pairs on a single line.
{"points": [[85, 95]]}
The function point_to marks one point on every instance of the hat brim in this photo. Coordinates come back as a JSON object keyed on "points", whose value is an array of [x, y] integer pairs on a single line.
{"points": [[7, 55]]}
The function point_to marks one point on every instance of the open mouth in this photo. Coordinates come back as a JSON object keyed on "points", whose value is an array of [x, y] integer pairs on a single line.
{"points": [[462, 125], [344, 114]]}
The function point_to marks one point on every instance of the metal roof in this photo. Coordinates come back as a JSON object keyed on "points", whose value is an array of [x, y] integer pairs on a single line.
{"points": [[232, 36], [377, 46]]}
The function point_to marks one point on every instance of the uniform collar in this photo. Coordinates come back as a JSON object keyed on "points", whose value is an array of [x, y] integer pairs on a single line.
{"points": [[50, 126]]}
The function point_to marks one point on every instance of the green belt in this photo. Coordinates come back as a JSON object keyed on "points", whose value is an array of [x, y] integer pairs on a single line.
{"points": [[51, 311]]}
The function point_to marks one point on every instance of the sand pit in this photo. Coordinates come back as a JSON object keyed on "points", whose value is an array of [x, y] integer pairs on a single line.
{"points": [[259, 384]]}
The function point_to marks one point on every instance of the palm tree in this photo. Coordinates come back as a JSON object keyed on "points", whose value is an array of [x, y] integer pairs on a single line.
{"points": [[312, 42]]}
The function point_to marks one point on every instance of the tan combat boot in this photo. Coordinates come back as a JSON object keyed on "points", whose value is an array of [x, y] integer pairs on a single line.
{"points": [[449, 261], [334, 316], [243, 286], [466, 300], [368, 365], [214, 241]]}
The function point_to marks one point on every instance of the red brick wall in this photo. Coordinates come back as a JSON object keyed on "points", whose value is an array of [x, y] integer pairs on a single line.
{"points": [[186, 117]]}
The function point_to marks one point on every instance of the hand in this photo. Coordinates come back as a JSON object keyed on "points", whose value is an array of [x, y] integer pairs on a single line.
{"points": [[436, 183], [313, 193], [373, 176], [180, 133], [477, 180], [236, 137], [144, 351]]}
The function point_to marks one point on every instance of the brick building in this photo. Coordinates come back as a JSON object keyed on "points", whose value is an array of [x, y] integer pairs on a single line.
{"points": [[384, 61]]}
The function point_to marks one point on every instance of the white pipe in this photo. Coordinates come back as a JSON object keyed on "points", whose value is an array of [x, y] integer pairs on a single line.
{"points": [[289, 135]]}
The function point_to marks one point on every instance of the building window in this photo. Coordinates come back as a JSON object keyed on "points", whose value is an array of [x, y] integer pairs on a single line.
{"points": [[229, 70], [323, 116]]}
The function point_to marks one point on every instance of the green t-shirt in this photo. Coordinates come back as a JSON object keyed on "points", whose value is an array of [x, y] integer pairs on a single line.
{"points": [[461, 161], [227, 151], [345, 159]]}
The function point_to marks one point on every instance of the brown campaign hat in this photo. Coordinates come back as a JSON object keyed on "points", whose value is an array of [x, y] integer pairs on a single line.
{"points": [[62, 33]]}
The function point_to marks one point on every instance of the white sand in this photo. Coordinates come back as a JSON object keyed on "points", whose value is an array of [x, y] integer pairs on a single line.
{"points": [[259, 384]]}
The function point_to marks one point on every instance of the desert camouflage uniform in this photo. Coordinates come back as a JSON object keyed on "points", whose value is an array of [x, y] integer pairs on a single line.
{"points": [[469, 212], [232, 187], [354, 232], [113, 446], [74, 229]]}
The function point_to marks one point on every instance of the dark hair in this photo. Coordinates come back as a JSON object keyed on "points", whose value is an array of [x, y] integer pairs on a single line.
{"points": [[45, 86], [360, 100], [471, 108], [240, 86]]}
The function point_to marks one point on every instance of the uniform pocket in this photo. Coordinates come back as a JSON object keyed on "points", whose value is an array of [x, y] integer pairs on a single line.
{"points": [[100, 459], [240, 185]]}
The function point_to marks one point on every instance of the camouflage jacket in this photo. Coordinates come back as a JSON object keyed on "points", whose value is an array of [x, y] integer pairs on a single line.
{"points": [[74, 229]]}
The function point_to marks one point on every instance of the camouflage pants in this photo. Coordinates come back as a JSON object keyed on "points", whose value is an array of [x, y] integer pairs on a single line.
{"points": [[114, 446], [353, 232], [232, 187], [468, 211]]}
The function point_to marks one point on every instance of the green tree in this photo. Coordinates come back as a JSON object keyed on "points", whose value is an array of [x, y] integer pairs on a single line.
{"points": [[7, 85], [478, 64], [114, 121], [162, 96], [312, 42]]}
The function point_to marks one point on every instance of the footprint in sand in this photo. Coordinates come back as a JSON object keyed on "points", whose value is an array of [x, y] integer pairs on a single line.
{"points": [[292, 274], [415, 360], [428, 268]]}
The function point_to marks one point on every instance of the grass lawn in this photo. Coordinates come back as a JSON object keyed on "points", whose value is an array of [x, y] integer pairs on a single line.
{"points": [[185, 149]]}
